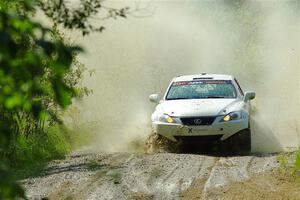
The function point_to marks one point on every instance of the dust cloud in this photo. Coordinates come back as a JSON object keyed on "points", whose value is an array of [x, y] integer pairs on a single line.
{"points": [[256, 41]]}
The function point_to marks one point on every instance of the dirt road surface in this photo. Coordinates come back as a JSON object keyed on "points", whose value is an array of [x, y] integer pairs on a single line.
{"points": [[161, 176]]}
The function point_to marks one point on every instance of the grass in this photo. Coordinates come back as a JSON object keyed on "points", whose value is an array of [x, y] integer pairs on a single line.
{"points": [[33, 153], [283, 159], [290, 167], [297, 161], [95, 165], [44, 146], [115, 176], [296, 168]]}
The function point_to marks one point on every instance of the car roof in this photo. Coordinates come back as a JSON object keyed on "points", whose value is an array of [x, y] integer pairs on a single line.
{"points": [[203, 76]]}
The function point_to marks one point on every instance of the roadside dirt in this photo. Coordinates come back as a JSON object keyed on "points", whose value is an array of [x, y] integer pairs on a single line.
{"points": [[269, 185], [162, 176]]}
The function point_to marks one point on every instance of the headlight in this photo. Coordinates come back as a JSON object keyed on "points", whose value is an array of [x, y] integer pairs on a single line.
{"points": [[231, 117], [166, 118]]}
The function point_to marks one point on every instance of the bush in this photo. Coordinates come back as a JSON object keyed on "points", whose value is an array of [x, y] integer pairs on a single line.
{"points": [[35, 77], [52, 144]]}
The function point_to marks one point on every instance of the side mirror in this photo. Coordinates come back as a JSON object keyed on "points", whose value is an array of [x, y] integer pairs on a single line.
{"points": [[154, 98], [249, 95]]}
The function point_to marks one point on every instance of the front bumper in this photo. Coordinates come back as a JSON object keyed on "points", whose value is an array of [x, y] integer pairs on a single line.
{"points": [[226, 129]]}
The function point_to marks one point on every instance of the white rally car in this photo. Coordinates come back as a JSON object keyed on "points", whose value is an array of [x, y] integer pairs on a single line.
{"points": [[204, 108]]}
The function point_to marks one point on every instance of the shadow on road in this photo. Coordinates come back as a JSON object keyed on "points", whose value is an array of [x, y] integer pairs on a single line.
{"points": [[208, 149]]}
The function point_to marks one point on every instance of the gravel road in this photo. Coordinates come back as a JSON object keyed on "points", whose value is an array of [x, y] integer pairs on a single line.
{"points": [[161, 176]]}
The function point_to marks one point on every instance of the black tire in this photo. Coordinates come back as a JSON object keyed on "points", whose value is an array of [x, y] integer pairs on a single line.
{"points": [[239, 143], [245, 141]]}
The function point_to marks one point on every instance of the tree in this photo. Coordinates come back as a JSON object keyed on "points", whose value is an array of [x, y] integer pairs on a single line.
{"points": [[26, 55], [35, 69]]}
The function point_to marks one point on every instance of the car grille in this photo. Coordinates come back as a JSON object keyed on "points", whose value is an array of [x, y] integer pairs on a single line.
{"points": [[198, 121]]}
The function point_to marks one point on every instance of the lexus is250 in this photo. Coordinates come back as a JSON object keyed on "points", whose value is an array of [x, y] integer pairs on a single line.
{"points": [[204, 108]]}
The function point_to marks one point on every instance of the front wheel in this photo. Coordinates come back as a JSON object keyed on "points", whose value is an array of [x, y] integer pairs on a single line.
{"points": [[156, 143], [239, 143]]}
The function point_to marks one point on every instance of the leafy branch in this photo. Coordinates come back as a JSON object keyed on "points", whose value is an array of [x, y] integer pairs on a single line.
{"points": [[79, 16]]}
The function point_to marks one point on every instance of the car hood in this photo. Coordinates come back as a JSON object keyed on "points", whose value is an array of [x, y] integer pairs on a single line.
{"points": [[196, 107]]}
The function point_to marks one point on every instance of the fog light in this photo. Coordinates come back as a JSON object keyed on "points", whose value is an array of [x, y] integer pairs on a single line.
{"points": [[169, 119], [226, 118]]}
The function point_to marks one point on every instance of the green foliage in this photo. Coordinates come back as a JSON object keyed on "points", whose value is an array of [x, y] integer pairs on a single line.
{"points": [[33, 153], [39, 77], [60, 12], [297, 163], [20, 5], [283, 160], [9, 189], [52, 144], [26, 55], [290, 164]]}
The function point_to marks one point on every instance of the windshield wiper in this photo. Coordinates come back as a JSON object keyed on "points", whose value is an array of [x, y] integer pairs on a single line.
{"points": [[208, 97], [215, 97], [177, 98]]}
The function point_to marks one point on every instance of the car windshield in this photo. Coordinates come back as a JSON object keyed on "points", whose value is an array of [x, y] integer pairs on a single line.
{"points": [[201, 89]]}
